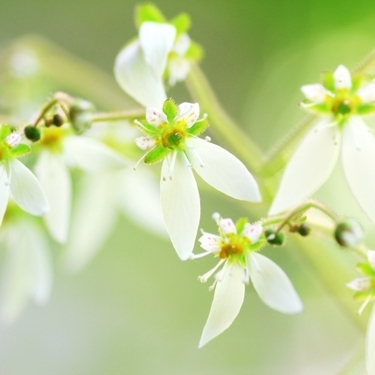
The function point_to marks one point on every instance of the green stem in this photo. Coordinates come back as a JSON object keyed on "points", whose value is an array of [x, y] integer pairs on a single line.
{"points": [[46, 107], [119, 116]]}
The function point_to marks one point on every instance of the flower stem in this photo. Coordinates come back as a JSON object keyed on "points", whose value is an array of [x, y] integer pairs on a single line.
{"points": [[118, 116]]}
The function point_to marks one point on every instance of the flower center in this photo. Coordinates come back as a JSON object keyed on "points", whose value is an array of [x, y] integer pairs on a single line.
{"points": [[173, 138], [237, 245], [342, 106], [52, 138]]}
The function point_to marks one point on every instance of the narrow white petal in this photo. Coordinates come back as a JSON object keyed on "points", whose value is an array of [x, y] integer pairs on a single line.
{"points": [[137, 78], [178, 69], [145, 143], [273, 285], [314, 92], [55, 180], [93, 218], [154, 116], [370, 344], [342, 78], [27, 270], [4, 191], [371, 258], [309, 167], [222, 170], [189, 112], [358, 155], [228, 299], [367, 92], [138, 196], [210, 242], [26, 190], [227, 226], [91, 155], [253, 231], [182, 44], [156, 41], [180, 205]]}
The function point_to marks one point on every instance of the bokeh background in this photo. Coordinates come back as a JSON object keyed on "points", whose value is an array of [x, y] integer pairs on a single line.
{"points": [[137, 309]]}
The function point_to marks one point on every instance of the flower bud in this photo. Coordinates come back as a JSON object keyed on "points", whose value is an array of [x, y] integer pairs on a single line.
{"points": [[274, 238], [80, 115], [32, 133], [304, 230], [349, 233], [57, 120]]}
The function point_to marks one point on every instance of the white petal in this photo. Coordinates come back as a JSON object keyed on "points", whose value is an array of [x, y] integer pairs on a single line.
{"points": [[55, 180], [371, 258], [145, 143], [370, 344], [210, 242], [26, 190], [189, 112], [358, 155], [89, 230], [182, 44], [222, 170], [136, 77], [138, 195], [178, 69], [27, 270], [315, 92], [180, 205], [253, 231], [155, 117], [4, 191], [228, 299], [227, 226], [273, 285], [360, 284], [309, 167], [91, 155], [156, 41], [342, 78], [367, 92]]}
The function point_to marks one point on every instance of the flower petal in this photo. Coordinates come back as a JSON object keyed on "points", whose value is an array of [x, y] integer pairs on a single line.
{"points": [[55, 180], [4, 191], [358, 153], [136, 77], [222, 170], [210, 242], [89, 231], [155, 116], [180, 205], [26, 190], [227, 302], [342, 78], [27, 270], [189, 112], [253, 231], [309, 167], [91, 155], [156, 40], [273, 285], [370, 344], [367, 92], [315, 92], [227, 226]]}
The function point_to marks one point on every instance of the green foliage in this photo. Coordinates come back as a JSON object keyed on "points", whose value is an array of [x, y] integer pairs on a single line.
{"points": [[170, 109], [148, 12], [20, 150], [199, 127], [328, 81], [182, 23], [156, 155], [240, 224], [195, 52]]}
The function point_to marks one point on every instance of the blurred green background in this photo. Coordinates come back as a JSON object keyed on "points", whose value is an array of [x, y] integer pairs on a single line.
{"points": [[137, 309]]}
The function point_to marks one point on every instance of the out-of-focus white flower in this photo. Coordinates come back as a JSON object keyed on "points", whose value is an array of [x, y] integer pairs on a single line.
{"points": [[237, 246], [16, 180], [27, 266], [341, 101], [62, 150], [171, 136]]}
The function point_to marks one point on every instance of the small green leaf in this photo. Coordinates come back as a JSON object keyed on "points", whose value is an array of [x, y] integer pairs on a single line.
{"points": [[366, 269], [5, 130], [357, 82], [156, 154], [328, 81], [360, 296], [365, 109], [199, 127], [170, 109], [182, 23], [20, 150], [240, 224], [195, 52], [148, 12], [148, 129]]}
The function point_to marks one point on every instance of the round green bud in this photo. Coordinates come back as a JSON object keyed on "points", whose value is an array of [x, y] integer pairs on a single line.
{"points": [[57, 120], [349, 233], [32, 133], [304, 230], [80, 115], [274, 238]]}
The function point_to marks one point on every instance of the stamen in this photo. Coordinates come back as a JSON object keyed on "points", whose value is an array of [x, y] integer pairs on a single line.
{"points": [[208, 274], [198, 256], [207, 138]]}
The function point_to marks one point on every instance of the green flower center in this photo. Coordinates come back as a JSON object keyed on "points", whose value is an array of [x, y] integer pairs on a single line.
{"points": [[173, 138], [236, 246]]}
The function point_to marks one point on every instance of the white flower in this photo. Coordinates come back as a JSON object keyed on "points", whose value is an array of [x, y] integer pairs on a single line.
{"points": [[236, 247], [27, 267], [59, 152], [340, 130], [16, 180], [174, 131]]}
